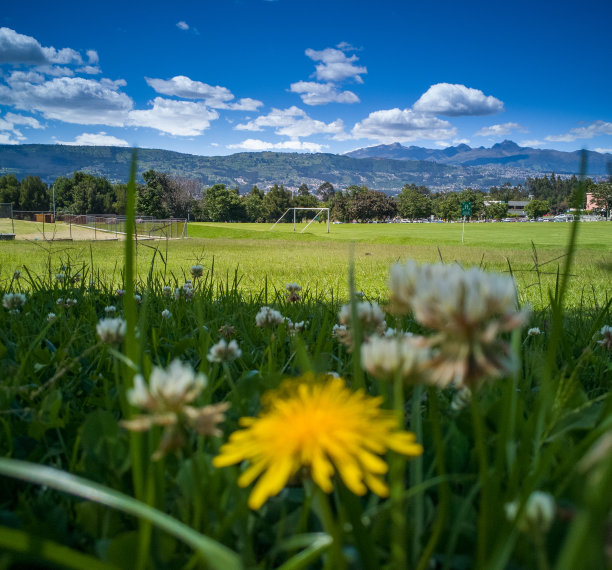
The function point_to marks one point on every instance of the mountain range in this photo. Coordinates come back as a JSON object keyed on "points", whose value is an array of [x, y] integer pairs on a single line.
{"points": [[383, 167], [506, 153]]}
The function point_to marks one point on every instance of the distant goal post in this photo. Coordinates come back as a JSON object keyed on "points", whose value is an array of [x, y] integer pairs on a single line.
{"points": [[294, 210]]}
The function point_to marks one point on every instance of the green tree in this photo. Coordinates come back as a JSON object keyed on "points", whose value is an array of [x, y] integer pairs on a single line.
{"points": [[365, 205], [91, 195], [33, 194], [325, 192], [414, 202], [476, 197], [537, 208], [602, 196], [152, 195], [447, 206], [496, 210], [9, 190], [221, 204], [276, 202], [253, 204]]}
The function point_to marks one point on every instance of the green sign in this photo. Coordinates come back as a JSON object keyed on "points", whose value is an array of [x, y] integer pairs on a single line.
{"points": [[466, 209]]}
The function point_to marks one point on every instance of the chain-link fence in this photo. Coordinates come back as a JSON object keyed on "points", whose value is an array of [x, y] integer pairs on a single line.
{"points": [[46, 226]]}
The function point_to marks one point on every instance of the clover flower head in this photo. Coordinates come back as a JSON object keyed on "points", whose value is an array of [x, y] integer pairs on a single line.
{"points": [[387, 358], [109, 309], [120, 292], [293, 292], [341, 334], [224, 351], [606, 341], [468, 310], [111, 331], [167, 291], [16, 274], [268, 317], [166, 314], [92, 283], [371, 321], [197, 271], [60, 277], [227, 331], [318, 426], [538, 514], [69, 302], [51, 317], [294, 328], [166, 400], [461, 399], [534, 331], [13, 301], [76, 278], [137, 298]]}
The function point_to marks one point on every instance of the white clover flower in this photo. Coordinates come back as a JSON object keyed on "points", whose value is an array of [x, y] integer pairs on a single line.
{"points": [[224, 351], [13, 301], [295, 328], [16, 274], [51, 317], [268, 317], [60, 277], [293, 290], [468, 309], [120, 292], [406, 356], [92, 283], [535, 331], [110, 309], [188, 284], [461, 399], [111, 331], [606, 332], [167, 291], [169, 389], [76, 278], [70, 302], [293, 287], [359, 295], [371, 321], [197, 271], [166, 314], [60, 301], [538, 514], [137, 298]]}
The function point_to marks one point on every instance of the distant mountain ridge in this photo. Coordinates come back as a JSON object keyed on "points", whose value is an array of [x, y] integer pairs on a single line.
{"points": [[388, 169], [505, 153]]}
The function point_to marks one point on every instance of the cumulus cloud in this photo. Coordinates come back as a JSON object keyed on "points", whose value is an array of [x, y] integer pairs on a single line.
{"points": [[14, 119], [499, 130], [292, 122], [89, 69], [95, 139], [259, 145], [179, 118], [71, 100], [182, 25], [392, 125], [18, 48], [455, 100], [216, 97], [335, 65], [313, 93], [92, 56], [596, 128], [7, 138], [461, 141], [531, 143]]}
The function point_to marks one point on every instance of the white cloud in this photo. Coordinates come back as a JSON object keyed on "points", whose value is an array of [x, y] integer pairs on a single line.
{"points": [[25, 77], [216, 97], [532, 143], [259, 145], [71, 99], [92, 56], [180, 118], [392, 125], [55, 70], [89, 69], [313, 93], [17, 48], [22, 120], [95, 139], [499, 130], [335, 65], [456, 100], [182, 25], [594, 129], [604, 150], [461, 141], [6, 138], [292, 122]]}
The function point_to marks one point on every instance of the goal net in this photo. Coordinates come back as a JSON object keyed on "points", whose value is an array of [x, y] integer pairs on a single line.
{"points": [[319, 212]]}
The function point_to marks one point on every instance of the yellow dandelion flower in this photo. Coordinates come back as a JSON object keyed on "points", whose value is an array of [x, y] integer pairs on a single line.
{"points": [[322, 426]]}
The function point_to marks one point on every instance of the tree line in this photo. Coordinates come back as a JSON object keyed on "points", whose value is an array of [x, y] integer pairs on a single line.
{"points": [[164, 196]]}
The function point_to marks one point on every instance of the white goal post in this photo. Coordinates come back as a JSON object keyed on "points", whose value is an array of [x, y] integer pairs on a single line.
{"points": [[317, 210]]}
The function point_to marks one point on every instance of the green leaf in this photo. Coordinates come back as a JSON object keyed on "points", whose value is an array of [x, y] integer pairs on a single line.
{"points": [[217, 555]]}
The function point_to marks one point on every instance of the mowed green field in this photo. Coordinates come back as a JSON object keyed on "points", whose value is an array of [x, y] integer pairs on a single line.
{"points": [[319, 261]]}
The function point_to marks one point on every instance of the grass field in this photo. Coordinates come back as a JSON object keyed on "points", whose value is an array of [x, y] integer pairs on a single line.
{"points": [[320, 261]]}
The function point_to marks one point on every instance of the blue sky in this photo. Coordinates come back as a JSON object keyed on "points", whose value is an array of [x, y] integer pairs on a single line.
{"points": [[215, 77]]}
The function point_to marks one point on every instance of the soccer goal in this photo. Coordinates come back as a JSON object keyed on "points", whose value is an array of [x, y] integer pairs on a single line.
{"points": [[317, 210]]}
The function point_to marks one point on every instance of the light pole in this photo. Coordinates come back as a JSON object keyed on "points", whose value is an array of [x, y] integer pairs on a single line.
{"points": [[53, 188]]}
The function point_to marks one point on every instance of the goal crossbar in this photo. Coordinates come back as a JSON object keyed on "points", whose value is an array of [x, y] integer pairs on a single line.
{"points": [[318, 211]]}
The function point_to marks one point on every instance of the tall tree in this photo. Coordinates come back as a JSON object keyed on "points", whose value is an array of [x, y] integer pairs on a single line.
{"points": [[152, 195], [9, 190], [325, 192], [414, 202], [33, 194], [276, 202]]}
